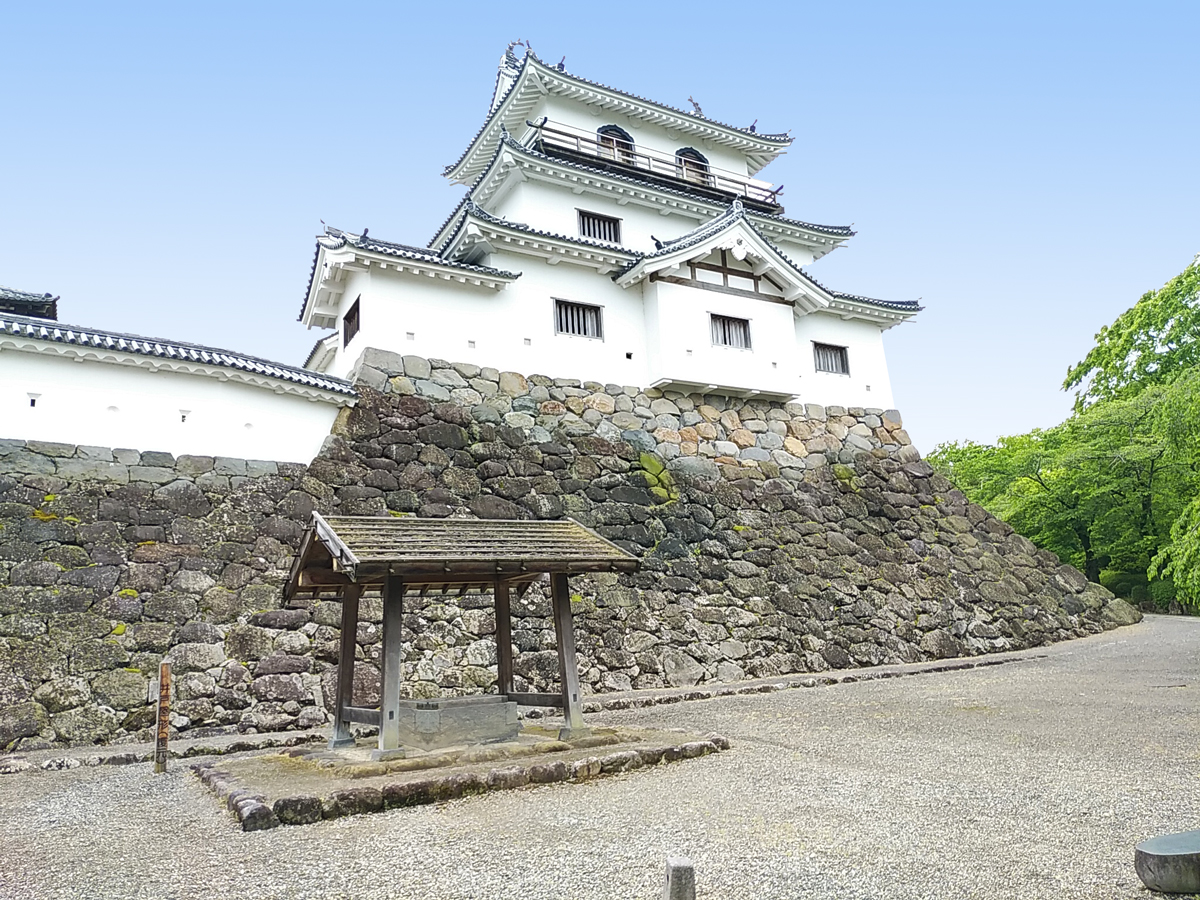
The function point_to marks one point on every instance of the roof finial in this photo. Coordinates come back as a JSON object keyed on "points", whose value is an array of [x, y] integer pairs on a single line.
{"points": [[753, 126], [562, 64], [365, 230], [696, 106]]}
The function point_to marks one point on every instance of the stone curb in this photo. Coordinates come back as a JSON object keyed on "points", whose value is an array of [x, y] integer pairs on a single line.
{"points": [[254, 814], [611, 704], [12, 765]]}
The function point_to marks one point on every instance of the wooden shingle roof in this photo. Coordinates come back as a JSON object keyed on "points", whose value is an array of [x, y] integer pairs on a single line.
{"points": [[340, 550]]}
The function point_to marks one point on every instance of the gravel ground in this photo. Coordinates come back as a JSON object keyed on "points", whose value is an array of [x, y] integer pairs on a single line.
{"points": [[1032, 779]]}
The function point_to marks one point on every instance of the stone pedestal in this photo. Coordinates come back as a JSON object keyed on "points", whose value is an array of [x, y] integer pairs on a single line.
{"points": [[435, 724]]}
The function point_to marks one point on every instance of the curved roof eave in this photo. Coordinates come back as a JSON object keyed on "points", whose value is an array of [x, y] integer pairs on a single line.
{"points": [[769, 145]]}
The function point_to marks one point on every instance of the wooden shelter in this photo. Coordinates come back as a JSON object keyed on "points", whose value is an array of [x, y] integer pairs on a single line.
{"points": [[343, 556]]}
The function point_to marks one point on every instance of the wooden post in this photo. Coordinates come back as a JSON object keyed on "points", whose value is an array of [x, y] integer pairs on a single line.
{"points": [[568, 666], [345, 683], [504, 659], [164, 717], [389, 707]]}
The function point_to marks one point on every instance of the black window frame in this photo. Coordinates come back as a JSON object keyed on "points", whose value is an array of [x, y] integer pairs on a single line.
{"points": [[719, 326], [835, 351], [611, 224], [352, 322], [562, 316]]}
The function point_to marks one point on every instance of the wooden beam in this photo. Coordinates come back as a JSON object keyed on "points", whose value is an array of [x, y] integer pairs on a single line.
{"points": [[345, 683], [314, 577], [568, 665], [504, 659], [389, 708], [362, 715], [531, 698]]}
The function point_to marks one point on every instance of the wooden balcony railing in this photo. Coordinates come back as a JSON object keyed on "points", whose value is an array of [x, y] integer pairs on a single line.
{"points": [[680, 168]]}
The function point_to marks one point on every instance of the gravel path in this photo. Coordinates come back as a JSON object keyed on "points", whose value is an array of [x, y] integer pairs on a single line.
{"points": [[1033, 779]]}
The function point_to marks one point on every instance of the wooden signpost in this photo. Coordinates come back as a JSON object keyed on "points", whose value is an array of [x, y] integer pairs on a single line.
{"points": [[164, 717]]}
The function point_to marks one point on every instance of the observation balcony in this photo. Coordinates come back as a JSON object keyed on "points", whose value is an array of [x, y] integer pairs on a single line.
{"points": [[685, 170]]}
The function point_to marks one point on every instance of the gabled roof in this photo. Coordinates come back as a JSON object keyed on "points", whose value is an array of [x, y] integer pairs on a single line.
{"points": [[23, 303], [534, 78], [24, 333], [335, 239], [805, 292], [819, 236]]}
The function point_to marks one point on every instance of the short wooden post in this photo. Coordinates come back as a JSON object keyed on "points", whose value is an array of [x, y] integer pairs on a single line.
{"points": [[164, 717], [568, 665], [389, 707], [504, 659], [346, 652]]}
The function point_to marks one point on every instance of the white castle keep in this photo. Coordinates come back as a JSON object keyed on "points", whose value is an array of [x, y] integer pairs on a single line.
{"points": [[611, 238], [602, 236]]}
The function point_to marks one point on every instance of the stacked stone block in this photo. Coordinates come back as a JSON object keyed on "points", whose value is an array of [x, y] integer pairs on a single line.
{"points": [[774, 539]]}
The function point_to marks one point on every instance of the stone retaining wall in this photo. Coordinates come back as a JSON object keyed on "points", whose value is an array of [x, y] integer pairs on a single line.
{"points": [[775, 539]]}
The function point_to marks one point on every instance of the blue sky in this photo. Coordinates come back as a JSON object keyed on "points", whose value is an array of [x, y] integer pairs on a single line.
{"points": [[1027, 169]]}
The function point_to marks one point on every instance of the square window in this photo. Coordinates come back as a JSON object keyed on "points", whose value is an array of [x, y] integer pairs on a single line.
{"points": [[831, 358], [350, 323], [730, 332], [577, 318], [599, 228]]}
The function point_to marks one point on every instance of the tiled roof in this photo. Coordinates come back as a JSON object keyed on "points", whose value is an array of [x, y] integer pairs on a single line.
{"points": [[782, 139], [474, 209], [906, 305], [23, 303], [339, 238], [419, 254], [35, 329], [735, 212], [842, 230]]}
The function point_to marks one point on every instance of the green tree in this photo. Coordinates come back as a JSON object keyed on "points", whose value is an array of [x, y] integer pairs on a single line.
{"points": [[1115, 488], [1152, 342]]}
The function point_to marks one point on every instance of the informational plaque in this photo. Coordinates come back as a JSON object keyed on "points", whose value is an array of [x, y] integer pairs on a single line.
{"points": [[164, 717]]}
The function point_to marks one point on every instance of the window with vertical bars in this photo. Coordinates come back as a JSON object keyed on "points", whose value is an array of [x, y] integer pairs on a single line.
{"points": [[600, 228], [730, 332], [350, 323], [831, 358], [577, 318]]}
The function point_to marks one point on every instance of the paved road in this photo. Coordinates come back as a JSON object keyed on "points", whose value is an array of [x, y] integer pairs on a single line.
{"points": [[1031, 779]]}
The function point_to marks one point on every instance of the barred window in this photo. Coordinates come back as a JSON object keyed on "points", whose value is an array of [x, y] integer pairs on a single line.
{"points": [[350, 323], [831, 358], [577, 318], [730, 332], [600, 228]]}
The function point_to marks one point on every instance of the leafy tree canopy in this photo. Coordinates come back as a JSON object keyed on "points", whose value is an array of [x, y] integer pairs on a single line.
{"points": [[1152, 342], [1115, 489]]}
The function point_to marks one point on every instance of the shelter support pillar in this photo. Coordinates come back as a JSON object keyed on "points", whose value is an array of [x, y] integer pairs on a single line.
{"points": [[389, 707], [504, 658], [568, 666], [345, 683]]}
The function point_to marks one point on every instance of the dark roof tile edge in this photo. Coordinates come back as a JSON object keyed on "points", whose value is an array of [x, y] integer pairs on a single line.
{"points": [[783, 139], [56, 332]]}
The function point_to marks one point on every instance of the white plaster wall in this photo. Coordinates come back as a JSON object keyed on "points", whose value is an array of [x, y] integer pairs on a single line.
{"points": [[444, 318], [111, 405], [555, 208], [867, 384], [687, 353]]}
